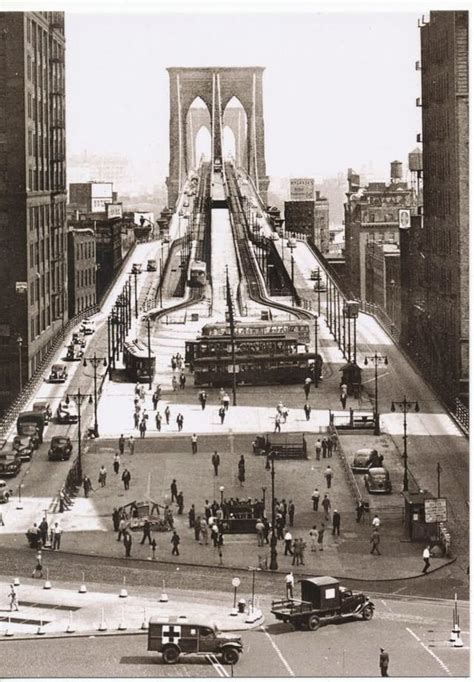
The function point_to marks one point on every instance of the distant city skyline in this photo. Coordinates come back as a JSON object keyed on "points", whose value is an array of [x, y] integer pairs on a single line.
{"points": [[339, 89]]}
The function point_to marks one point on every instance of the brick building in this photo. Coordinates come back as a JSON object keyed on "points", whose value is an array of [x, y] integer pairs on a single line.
{"points": [[371, 213], [382, 278], [310, 218], [444, 347], [33, 267], [82, 268]]}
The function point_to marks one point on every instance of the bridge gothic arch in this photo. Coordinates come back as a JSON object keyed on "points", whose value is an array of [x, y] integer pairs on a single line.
{"points": [[216, 87]]}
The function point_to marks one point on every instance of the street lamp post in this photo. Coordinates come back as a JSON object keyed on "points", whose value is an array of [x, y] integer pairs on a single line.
{"points": [[221, 490], [316, 371], [406, 406], [95, 362], [135, 275], [273, 540], [376, 359], [20, 369], [149, 352], [79, 399]]}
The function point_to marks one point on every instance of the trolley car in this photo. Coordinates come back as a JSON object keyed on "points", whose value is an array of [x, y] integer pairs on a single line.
{"points": [[298, 329], [206, 346], [197, 273], [253, 369], [139, 361]]}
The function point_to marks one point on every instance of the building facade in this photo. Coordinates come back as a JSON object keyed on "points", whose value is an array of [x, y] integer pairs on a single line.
{"points": [[311, 218], [382, 278], [33, 266], [371, 214], [82, 268], [445, 134]]}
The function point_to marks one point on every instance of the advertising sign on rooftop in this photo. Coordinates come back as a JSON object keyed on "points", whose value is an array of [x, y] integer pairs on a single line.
{"points": [[301, 189]]}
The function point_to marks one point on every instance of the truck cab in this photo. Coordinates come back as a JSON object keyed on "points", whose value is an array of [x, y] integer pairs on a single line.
{"points": [[174, 636], [31, 424]]}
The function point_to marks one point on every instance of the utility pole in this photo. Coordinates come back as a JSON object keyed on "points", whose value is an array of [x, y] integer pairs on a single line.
{"points": [[230, 308], [273, 539], [406, 406], [376, 359], [438, 471], [95, 362], [316, 370], [79, 399]]}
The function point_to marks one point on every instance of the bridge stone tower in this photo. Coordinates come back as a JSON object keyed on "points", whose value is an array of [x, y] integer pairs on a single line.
{"points": [[216, 86]]}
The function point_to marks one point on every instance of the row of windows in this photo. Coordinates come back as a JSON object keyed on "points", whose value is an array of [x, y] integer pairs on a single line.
{"points": [[85, 250], [437, 201], [40, 322], [41, 217], [85, 278], [84, 302]]}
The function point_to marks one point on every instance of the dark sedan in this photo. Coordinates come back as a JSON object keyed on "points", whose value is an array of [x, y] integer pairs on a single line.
{"points": [[10, 464], [24, 446], [60, 448], [377, 480]]}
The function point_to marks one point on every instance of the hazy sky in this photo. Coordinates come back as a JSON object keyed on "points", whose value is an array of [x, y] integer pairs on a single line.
{"points": [[339, 89]]}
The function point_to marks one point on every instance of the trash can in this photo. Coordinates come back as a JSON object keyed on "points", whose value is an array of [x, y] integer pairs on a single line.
{"points": [[241, 605]]}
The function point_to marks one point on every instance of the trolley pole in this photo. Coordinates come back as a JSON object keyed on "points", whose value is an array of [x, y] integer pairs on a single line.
{"points": [[149, 353]]}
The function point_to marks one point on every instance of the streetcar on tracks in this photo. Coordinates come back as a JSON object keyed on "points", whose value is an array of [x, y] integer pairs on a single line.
{"points": [[139, 361], [197, 273], [297, 329]]}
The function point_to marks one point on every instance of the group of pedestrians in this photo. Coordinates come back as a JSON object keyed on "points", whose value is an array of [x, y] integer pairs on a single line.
{"points": [[324, 447], [45, 535]]}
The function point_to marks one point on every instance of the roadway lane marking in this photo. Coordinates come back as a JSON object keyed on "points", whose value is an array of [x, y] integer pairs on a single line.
{"points": [[280, 655], [431, 653], [218, 667]]}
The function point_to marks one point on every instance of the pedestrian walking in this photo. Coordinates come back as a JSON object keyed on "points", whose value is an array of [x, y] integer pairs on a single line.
{"points": [[43, 528], [122, 529], [167, 415], [376, 522], [307, 387], [241, 468], [284, 413], [317, 448], [102, 476], [158, 420], [291, 512], [203, 399], [329, 445], [173, 363], [121, 444], [221, 395], [56, 534], [326, 505], [226, 401], [127, 543], [289, 584], [180, 502], [375, 542], [324, 447], [343, 395], [328, 476], [182, 381], [288, 540], [192, 516], [131, 445], [315, 497], [116, 519], [116, 463], [136, 419], [137, 389], [179, 421], [175, 542], [174, 383], [222, 413], [13, 598], [426, 559], [321, 532], [307, 411], [197, 528], [142, 428], [39, 565], [126, 477], [296, 552], [336, 523], [313, 536], [174, 490], [277, 424], [383, 662], [146, 533], [194, 444], [360, 509], [87, 485], [154, 400], [260, 528], [216, 460]]}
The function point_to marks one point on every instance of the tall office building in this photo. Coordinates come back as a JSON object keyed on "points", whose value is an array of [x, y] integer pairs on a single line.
{"points": [[33, 264], [445, 117]]}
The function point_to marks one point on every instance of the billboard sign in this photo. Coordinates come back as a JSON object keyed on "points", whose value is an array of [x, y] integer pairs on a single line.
{"points": [[301, 189], [436, 510], [21, 287], [404, 218]]}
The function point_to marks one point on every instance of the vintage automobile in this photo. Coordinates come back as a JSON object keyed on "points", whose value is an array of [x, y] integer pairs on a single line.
{"points": [[315, 274], [364, 459], [377, 480], [186, 204], [58, 374], [320, 286], [67, 412], [10, 463], [78, 339], [60, 448], [291, 243], [136, 268], [281, 445], [74, 352], [24, 446], [44, 408], [87, 326], [31, 424], [151, 265], [5, 491], [275, 236], [173, 636], [323, 600]]}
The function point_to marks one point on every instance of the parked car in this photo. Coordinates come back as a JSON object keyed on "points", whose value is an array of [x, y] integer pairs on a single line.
{"points": [[186, 204], [136, 268], [320, 286], [10, 464], [44, 408], [67, 412], [315, 274], [377, 480], [292, 243], [60, 448], [5, 491], [74, 353], [323, 600], [87, 326], [24, 446], [365, 459], [173, 636], [58, 374], [151, 265]]}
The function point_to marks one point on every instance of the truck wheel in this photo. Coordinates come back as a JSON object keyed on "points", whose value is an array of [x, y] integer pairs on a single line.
{"points": [[170, 654], [367, 612], [230, 656], [313, 623]]}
